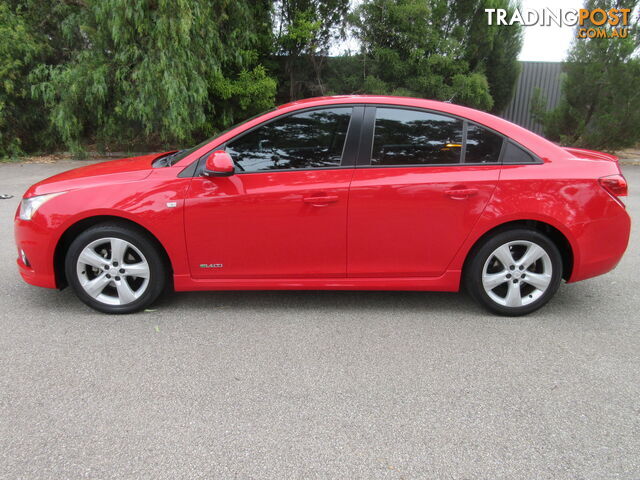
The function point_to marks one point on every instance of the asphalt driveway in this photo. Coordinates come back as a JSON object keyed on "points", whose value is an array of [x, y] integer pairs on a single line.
{"points": [[275, 385]]}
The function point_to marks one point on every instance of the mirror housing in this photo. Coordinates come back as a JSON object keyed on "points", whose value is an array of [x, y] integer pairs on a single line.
{"points": [[218, 164]]}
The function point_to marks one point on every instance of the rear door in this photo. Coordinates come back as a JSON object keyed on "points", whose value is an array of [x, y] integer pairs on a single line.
{"points": [[422, 180], [283, 214]]}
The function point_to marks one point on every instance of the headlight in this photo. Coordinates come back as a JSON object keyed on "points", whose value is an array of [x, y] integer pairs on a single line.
{"points": [[30, 205]]}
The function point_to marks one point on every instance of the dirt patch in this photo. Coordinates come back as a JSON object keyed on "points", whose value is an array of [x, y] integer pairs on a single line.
{"points": [[629, 156], [52, 158], [90, 156]]}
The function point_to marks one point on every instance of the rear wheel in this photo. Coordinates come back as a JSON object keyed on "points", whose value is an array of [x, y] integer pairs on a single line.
{"points": [[514, 272], [115, 269]]}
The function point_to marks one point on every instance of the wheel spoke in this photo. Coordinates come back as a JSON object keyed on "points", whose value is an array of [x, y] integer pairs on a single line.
{"points": [[504, 255], [96, 286], [539, 280], [513, 298], [91, 258], [118, 249], [492, 280], [533, 254], [140, 270], [125, 294]]}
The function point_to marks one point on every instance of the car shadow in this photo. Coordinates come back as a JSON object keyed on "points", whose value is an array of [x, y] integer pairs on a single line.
{"points": [[320, 300], [314, 302], [580, 297]]}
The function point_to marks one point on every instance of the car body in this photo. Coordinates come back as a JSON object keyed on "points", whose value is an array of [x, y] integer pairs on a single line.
{"points": [[393, 193]]}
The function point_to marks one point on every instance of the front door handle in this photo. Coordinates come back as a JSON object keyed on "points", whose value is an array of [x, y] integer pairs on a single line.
{"points": [[461, 193], [321, 200]]}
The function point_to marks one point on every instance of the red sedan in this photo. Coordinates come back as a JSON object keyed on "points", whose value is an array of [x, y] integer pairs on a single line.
{"points": [[335, 193]]}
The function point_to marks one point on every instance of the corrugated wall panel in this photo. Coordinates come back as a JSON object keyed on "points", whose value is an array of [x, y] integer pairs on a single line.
{"points": [[543, 75]]}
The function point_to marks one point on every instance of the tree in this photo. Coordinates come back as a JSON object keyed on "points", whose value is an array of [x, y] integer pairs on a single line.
{"points": [[304, 30], [18, 52], [600, 106], [442, 49], [490, 49], [32, 33], [156, 71]]}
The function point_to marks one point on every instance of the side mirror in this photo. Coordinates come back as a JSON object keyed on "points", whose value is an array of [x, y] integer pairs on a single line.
{"points": [[218, 164]]}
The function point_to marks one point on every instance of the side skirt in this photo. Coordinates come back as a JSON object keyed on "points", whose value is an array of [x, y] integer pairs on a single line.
{"points": [[448, 282]]}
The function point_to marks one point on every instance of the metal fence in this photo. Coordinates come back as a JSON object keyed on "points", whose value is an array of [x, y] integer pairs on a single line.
{"points": [[543, 75]]}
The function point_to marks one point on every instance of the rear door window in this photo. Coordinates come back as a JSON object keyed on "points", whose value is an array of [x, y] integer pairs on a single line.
{"points": [[412, 137], [483, 146]]}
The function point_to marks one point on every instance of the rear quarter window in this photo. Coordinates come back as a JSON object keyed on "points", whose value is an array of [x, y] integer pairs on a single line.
{"points": [[514, 154]]}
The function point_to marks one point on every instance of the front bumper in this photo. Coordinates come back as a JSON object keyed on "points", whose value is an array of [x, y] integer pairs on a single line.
{"points": [[36, 241]]}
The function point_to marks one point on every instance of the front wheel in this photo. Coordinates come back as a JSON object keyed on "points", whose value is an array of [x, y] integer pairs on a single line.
{"points": [[514, 272], [115, 269]]}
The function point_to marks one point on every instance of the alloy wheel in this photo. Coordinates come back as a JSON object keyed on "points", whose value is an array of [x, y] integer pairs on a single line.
{"points": [[517, 273], [113, 271]]}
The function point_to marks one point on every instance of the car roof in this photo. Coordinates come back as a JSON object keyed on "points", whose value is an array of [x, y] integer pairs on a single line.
{"points": [[329, 99]]}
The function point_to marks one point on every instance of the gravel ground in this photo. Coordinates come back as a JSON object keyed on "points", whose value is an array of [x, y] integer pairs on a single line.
{"points": [[275, 385]]}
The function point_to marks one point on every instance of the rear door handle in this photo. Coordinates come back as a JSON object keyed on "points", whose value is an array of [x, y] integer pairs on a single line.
{"points": [[320, 201], [461, 193]]}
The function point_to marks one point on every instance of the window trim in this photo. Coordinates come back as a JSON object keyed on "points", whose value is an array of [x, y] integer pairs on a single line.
{"points": [[463, 150], [366, 150], [350, 142], [366, 136]]}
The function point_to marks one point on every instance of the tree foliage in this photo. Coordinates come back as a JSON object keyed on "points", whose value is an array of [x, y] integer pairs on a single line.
{"points": [[161, 69], [304, 31], [600, 106], [441, 49], [19, 52]]}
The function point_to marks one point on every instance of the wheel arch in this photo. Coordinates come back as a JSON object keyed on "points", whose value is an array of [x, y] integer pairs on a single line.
{"points": [[81, 225], [555, 235]]}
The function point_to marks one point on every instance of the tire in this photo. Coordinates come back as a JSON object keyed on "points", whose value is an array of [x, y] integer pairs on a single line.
{"points": [[126, 282], [520, 287]]}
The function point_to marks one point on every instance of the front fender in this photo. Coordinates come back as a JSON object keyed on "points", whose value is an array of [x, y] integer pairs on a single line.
{"points": [[156, 204]]}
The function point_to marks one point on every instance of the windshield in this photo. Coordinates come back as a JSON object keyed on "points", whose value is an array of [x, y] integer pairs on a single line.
{"points": [[179, 155]]}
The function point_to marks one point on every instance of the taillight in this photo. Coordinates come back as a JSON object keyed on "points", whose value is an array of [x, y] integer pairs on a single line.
{"points": [[616, 185]]}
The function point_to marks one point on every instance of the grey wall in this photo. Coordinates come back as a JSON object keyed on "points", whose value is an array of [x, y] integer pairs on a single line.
{"points": [[546, 76]]}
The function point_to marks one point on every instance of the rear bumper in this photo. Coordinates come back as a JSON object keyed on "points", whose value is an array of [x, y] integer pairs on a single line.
{"points": [[600, 245], [35, 241]]}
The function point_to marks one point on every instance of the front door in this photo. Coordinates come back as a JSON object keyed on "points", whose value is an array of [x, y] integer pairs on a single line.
{"points": [[426, 180], [284, 213]]}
